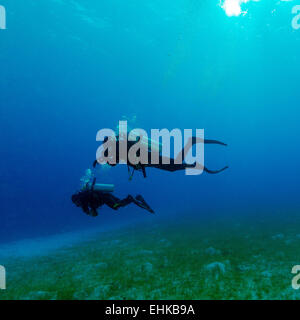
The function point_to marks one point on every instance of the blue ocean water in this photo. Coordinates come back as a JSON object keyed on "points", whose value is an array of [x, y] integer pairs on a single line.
{"points": [[72, 67]]}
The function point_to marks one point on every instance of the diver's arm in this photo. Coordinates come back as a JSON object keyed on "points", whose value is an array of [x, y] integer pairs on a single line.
{"points": [[95, 163], [85, 209], [144, 171], [93, 212]]}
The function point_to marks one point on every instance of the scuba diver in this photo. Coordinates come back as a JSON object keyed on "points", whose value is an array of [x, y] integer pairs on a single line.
{"points": [[93, 196], [167, 164]]}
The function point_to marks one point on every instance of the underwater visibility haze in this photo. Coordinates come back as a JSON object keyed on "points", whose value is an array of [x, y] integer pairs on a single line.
{"points": [[72, 67]]}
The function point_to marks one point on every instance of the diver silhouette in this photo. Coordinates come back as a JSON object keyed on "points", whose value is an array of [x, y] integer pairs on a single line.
{"points": [[89, 200], [164, 163]]}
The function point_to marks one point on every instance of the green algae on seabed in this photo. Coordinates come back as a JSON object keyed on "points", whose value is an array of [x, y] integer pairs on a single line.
{"points": [[217, 258]]}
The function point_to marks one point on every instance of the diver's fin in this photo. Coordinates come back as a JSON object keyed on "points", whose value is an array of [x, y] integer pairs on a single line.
{"points": [[206, 141], [143, 204], [196, 140], [215, 171]]}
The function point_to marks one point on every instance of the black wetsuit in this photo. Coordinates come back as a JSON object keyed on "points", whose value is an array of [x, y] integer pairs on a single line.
{"points": [[90, 200]]}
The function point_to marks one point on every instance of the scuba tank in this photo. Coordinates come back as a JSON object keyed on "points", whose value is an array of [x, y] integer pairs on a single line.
{"points": [[147, 142], [102, 187], [88, 182]]}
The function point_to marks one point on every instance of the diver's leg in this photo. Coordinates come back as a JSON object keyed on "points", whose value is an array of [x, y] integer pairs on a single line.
{"points": [[115, 203], [192, 141], [172, 167], [125, 202], [178, 163]]}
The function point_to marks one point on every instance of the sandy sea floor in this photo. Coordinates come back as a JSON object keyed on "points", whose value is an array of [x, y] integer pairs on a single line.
{"points": [[207, 258]]}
